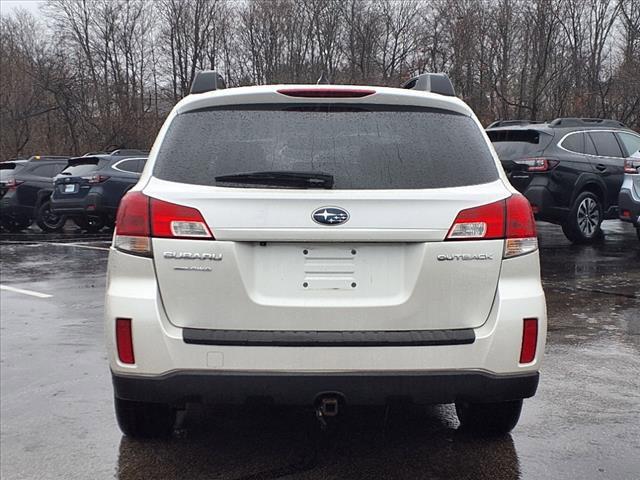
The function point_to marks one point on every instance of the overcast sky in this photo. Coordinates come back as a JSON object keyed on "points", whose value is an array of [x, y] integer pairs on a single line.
{"points": [[8, 6]]}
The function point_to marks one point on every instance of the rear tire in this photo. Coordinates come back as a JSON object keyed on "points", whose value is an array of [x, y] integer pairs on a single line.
{"points": [[49, 221], [145, 419], [585, 217], [492, 419]]}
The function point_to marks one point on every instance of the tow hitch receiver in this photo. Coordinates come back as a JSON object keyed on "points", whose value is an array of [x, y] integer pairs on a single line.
{"points": [[329, 406], [326, 406]]}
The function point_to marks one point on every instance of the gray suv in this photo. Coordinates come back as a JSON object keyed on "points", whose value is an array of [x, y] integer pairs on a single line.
{"points": [[570, 169]]}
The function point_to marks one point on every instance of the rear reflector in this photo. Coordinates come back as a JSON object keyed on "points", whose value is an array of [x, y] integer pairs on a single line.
{"points": [[140, 218], [326, 92], [625, 214], [511, 219], [529, 340], [124, 340]]}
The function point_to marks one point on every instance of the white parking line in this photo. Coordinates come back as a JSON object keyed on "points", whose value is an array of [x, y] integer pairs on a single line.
{"points": [[25, 292], [77, 246]]}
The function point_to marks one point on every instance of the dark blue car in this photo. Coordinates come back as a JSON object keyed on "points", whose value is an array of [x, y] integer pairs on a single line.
{"points": [[90, 188]]}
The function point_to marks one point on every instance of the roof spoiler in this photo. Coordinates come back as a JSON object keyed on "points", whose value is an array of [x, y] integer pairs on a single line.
{"points": [[512, 123], [585, 122], [431, 82], [207, 81]]}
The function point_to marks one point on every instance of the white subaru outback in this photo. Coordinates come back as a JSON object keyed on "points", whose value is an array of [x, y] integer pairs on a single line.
{"points": [[323, 245]]}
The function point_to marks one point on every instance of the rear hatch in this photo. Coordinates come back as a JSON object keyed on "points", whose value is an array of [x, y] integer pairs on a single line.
{"points": [[516, 147], [75, 181], [326, 217]]}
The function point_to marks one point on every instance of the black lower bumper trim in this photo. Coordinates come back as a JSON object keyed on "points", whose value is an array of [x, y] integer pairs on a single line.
{"points": [[303, 388], [280, 338]]}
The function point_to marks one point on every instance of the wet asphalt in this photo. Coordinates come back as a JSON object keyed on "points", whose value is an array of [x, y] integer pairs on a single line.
{"points": [[57, 418]]}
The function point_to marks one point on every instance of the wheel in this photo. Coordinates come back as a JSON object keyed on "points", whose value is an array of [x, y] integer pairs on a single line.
{"points": [[638, 232], [583, 223], [91, 224], [144, 419], [49, 221], [13, 226], [489, 418]]}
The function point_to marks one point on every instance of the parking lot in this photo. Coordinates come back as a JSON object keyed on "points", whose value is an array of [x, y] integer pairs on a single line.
{"points": [[58, 421]]}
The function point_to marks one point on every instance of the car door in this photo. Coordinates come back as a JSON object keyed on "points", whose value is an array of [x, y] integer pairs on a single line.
{"points": [[128, 175], [608, 163], [573, 164]]}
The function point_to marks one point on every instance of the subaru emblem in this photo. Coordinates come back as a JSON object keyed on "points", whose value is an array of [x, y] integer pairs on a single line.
{"points": [[330, 216]]}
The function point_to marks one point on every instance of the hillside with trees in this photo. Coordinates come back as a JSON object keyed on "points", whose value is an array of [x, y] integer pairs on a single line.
{"points": [[102, 74]]}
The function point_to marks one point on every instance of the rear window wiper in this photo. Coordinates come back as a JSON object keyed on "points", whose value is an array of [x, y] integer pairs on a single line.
{"points": [[280, 178]]}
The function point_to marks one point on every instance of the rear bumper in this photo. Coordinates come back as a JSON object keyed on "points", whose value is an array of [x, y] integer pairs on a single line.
{"points": [[544, 205], [168, 369], [370, 388], [91, 204], [627, 202]]}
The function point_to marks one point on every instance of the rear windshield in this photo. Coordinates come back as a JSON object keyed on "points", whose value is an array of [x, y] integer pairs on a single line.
{"points": [[84, 167], [513, 144], [363, 147], [9, 169]]}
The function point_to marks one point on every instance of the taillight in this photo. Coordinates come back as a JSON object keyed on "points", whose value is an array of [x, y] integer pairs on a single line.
{"points": [[521, 236], [529, 340], [133, 230], [124, 340], [327, 92], [483, 222], [176, 221], [140, 218], [537, 164], [632, 165], [510, 219], [13, 183], [96, 178]]}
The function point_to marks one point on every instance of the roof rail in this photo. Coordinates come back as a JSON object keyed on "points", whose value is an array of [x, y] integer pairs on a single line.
{"points": [[585, 122], [48, 157], [512, 123], [431, 82], [128, 151], [207, 81]]}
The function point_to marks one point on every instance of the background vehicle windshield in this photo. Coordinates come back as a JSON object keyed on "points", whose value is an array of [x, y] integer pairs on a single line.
{"points": [[514, 144], [363, 147], [83, 168], [9, 169]]}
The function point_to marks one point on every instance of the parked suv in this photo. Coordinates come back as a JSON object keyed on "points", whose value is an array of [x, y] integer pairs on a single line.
{"points": [[570, 169], [24, 193], [323, 245], [90, 188]]}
